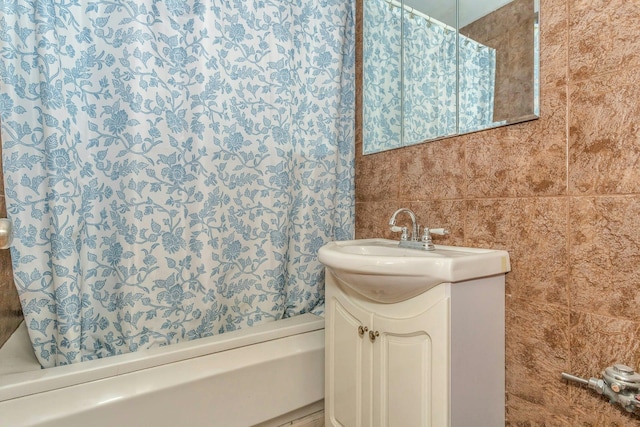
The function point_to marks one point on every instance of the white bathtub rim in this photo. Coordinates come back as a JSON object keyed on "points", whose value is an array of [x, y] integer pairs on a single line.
{"points": [[16, 385], [235, 388]]}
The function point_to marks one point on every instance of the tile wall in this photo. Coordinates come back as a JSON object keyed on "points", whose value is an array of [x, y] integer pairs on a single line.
{"points": [[561, 194]]}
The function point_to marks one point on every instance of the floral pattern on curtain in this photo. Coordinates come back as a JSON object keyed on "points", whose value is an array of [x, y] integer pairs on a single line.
{"points": [[172, 167]]}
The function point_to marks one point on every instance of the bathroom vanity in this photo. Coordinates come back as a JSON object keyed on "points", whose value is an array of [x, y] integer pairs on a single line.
{"points": [[435, 358]]}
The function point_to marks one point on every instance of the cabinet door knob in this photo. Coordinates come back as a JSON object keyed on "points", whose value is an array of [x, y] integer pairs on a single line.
{"points": [[362, 330], [373, 335]]}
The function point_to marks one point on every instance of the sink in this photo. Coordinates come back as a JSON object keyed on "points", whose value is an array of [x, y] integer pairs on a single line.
{"points": [[381, 271]]}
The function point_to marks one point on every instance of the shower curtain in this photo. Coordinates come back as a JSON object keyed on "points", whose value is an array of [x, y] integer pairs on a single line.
{"points": [[172, 167]]}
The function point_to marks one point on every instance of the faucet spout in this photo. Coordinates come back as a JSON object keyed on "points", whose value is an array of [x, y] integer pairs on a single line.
{"points": [[414, 223]]}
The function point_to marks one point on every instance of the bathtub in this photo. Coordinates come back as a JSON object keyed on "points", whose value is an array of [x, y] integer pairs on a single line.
{"points": [[266, 375]]}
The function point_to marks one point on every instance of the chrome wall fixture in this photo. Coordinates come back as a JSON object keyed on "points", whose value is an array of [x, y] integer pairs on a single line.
{"points": [[619, 383], [6, 233]]}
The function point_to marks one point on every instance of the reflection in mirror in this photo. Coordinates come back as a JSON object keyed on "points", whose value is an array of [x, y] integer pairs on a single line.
{"points": [[423, 86], [476, 85], [382, 91], [512, 31], [429, 85]]}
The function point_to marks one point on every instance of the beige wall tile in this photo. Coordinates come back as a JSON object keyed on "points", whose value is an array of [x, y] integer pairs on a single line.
{"points": [[434, 171], [604, 37], [521, 412], [533, 230], [377, 176], [605, 135], [537, 350], [605, 255], [372, 219], [554, 42]]}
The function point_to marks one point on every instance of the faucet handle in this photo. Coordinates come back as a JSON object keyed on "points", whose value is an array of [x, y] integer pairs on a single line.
{"points": [[438, 231]]}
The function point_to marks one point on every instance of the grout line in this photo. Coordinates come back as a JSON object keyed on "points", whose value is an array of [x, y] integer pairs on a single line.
{"points": [[569, 363]]}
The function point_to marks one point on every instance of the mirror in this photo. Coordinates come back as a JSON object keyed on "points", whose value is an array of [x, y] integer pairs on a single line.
{"points": [[438, 68]]}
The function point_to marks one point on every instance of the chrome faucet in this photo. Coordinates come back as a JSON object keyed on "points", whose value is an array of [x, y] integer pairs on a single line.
{"points": [[414, 224], [425, 242]]}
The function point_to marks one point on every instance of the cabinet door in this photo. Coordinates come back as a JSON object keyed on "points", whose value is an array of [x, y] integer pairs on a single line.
{"points": [[348, 364], [410, 369]]}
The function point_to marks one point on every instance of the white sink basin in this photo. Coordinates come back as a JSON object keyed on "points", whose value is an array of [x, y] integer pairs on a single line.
{"points": [[379, 270]]}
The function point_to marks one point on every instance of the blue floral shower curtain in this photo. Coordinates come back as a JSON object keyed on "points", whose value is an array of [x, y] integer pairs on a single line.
{"points": [[172, 167]]}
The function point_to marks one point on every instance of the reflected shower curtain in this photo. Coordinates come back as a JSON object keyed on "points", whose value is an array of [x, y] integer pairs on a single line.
{"points": [[172, 167], [433, 93], [429, 65], [477, 83], [382, 83], [411, 89]]}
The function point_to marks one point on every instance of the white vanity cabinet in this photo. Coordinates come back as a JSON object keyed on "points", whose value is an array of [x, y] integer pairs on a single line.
{"points": [[436, 359]]}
